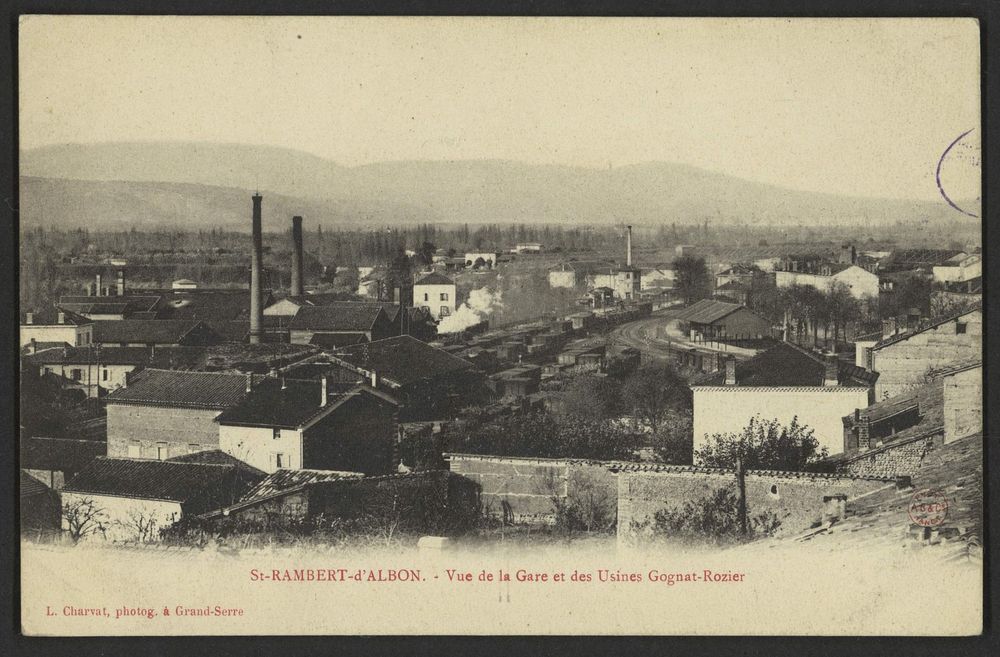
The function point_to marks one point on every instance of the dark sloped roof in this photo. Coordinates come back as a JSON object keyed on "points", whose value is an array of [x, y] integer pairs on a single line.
{"points": [[343, 316], [208, 390], [134, 302], [148, 479], [287, 404], [924, 256], [402, 359], [59, 454], [43, 346], [283, 481], [30, 486], [786, 364], [157, 331], [934, 323], [434, 278], [707, 311], [49, 316], [586, 266], [214, 306]]}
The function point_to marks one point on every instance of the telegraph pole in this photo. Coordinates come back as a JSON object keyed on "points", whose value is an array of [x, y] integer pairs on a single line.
{"points": [[742, 486]]}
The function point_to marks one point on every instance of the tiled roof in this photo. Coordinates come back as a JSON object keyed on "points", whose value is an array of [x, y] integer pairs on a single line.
{"points": [[934, 323], [954, 469], [287, 403], [43, 346], [155, 331], [50, 317], [586, 267], [208, 390], [434, 279], [59, 454], [924, 256], [343, 316], [284, 481], [212, 306], [707, 311], [786, 364], [30, 486], [402, 359], [135, 302], [147, 479]]}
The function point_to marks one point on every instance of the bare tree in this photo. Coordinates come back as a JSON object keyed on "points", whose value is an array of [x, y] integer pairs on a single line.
{"points": [[141, 524], [82, 518]]}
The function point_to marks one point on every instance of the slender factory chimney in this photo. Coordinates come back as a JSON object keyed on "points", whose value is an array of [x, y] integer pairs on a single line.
{"points": [[628, 247], [256, 298], [97, 280], [297, 257]]}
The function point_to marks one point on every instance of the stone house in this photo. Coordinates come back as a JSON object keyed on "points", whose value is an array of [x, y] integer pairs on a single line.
{"points": [[160, 414], [906, 360], [437, 293], [55, 325]]}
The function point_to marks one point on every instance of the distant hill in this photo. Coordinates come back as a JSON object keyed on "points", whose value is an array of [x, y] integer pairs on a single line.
{"points": [[192, 185]]}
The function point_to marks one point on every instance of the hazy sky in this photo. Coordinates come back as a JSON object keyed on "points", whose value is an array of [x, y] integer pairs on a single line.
{"points": [[861, 107]]}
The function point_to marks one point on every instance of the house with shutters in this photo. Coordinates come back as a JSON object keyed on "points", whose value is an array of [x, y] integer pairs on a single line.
{"points": [[291, 424], [436, 293], [55, 325], [784, 382]]}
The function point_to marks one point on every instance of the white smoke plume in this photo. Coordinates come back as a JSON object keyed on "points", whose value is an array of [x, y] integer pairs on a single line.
{"points": [[480, 305]]}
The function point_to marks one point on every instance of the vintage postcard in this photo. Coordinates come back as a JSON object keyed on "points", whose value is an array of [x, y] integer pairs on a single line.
{"points": [[372, 325]]}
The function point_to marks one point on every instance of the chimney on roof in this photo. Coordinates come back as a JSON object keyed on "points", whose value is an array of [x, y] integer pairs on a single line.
{"points": [[374, 379], [90, 289], [121, 282], [830, 369], [628, 246], [284, 385], [297, 285], [889, 327], [322, 391], [29, 318], [97, 284], [61, 318], [249, 382], [730, 371], [32, 347], [256, 291]]}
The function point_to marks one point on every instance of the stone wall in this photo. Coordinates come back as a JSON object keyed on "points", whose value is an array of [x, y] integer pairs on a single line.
{"points": [[901, 458], [797, 500], [963, 403]]}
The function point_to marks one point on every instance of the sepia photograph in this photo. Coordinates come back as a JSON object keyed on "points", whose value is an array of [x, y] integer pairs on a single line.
{"points": [[500, 326]]}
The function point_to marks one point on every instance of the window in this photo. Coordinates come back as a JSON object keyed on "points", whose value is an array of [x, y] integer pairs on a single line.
{"points": [[279, 460], [444, 296], [162, 452], [134, 450], [427, 297], [276, 433], [104, 374], [960, 328], [76, 374], [445, 311]]}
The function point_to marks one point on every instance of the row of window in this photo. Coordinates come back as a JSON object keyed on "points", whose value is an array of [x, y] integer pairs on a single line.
{"points": [[162, 450], [444, 296]]}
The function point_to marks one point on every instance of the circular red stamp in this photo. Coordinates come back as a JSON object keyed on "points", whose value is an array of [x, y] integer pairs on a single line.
{"points": [[928, 507]]}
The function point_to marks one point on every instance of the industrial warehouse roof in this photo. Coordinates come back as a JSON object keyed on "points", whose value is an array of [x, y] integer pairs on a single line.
{"points": [[707, 311], [147, 479], [133, 302], [289, 403], [586, 266], [343, 316], [283, 481], [31, 486], [147, 331], [924, 257], [434, 278], [934, 323], [336, 340], [50, 317], [402, 360], [789, 365], [208, 390]]}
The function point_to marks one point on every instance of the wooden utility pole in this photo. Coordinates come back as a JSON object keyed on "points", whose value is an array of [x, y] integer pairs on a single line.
{"points": [[742, 486]]}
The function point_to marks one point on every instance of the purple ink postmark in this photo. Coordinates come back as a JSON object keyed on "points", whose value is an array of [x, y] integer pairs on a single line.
{"points": [[960, 163]]}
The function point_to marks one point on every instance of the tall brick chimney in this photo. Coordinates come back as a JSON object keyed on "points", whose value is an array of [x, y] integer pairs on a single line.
{"points": [[256, 289], [628, 246], [297, 290]]}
